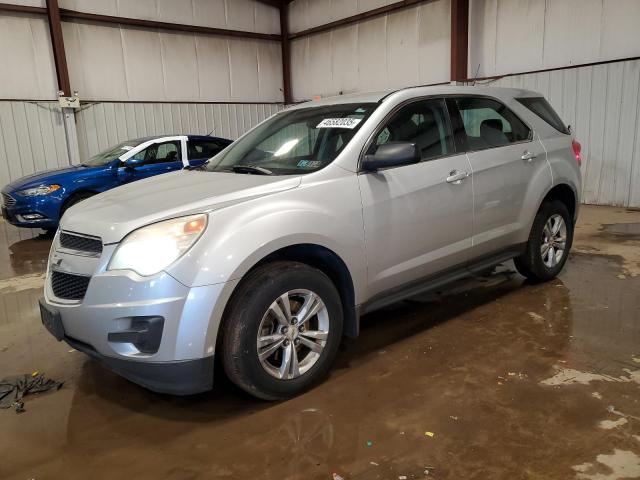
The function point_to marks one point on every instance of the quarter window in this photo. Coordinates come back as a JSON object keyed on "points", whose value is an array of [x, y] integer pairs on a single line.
{"points": [[203, 149], [489, 124], [424, 123]]}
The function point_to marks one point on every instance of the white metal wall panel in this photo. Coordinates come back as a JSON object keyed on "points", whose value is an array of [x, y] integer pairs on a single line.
{"points": [[601, 104], [32, 139], [101, 125], [304, 14], [508, 36], [249, 15], [27, 69], [408, 47], [107, 62]]}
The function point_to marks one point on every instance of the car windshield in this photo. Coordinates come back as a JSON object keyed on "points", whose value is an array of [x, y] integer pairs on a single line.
{"points": [[111, 153], [294, 142]]}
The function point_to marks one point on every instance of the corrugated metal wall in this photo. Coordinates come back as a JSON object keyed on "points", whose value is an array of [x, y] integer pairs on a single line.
{"points": [[110, 62], [601, 103], [32, 138], [508, 36], [104, 124], [408, 47]]}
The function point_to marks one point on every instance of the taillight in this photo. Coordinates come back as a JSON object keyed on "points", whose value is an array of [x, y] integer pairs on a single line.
{"points": [[577, 149]]}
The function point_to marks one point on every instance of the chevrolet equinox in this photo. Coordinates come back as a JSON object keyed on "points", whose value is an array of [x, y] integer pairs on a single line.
{"points": [[273, 250]]}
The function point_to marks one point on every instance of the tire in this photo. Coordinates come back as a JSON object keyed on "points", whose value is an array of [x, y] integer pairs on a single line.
{"points": [[74, 199], [534, 263], [251, 314]]}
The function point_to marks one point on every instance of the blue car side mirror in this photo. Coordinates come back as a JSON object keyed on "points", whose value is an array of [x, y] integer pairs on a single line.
{"points": [[133, 162]]}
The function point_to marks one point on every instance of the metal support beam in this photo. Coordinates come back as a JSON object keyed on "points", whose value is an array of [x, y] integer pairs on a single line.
{"points": [[57, 44], [360, 17], [286, 54], [67, 15], [459, 40], [8, 7]]}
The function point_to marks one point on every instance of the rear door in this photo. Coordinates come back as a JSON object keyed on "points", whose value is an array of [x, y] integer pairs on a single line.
{"points": [[417, 218], [504, 159]]}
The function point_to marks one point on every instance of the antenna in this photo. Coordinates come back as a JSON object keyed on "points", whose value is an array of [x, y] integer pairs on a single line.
{"points": [[475, 77], [209, 134]]}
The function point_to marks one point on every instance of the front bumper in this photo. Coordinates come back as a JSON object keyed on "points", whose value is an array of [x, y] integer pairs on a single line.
{"points": [[105, 324], [47, 208], [185, 377]]}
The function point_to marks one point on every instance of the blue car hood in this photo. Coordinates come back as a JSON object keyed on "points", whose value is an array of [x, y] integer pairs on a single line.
{"points": [[47, 176]]}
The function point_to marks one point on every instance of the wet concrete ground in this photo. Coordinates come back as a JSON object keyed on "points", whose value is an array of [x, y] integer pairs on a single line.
{"points": [[495, 379]]}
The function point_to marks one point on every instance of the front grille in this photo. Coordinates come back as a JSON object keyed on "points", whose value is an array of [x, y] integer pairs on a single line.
{"points": [[8, 200], [69, 286], [79, 243]]}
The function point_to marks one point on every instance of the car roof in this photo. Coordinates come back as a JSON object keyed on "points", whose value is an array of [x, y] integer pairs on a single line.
{"points": [[140, 140], [419, 91]]}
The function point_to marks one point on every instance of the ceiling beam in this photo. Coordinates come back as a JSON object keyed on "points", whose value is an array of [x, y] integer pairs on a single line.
{"points": [[360, 17], [137, 22], [8, 7]]}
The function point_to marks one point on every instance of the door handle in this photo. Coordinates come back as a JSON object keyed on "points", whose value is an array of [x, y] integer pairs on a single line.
{"points": [[528, 156], [456, 177]]}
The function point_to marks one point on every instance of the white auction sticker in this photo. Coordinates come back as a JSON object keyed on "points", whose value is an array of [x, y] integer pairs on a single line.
{"points": [[126, 147], [349, 123]]}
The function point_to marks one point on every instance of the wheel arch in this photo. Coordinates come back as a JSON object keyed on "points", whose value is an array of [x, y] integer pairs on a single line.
{"points": [[325, 260], [566, 194], [72, 195]]}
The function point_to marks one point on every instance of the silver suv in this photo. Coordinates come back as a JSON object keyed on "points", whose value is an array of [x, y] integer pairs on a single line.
{"points": [[271, 252]]}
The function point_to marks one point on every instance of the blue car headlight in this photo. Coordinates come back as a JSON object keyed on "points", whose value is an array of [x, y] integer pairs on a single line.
{"points": [[41, 190]]}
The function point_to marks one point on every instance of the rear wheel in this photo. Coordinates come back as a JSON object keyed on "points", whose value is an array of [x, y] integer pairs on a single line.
{"points": [[549, 243], [282, 330]]}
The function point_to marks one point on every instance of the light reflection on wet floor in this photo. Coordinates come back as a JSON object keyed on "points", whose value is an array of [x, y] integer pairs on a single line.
{"points": [[466, 365]]}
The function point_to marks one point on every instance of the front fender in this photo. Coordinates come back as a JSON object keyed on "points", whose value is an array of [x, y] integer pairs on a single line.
{"points": [[238, 237], [241, 235]]}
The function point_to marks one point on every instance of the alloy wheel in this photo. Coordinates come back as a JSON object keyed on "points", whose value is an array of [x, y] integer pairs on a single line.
{"points": [[292, 334]]}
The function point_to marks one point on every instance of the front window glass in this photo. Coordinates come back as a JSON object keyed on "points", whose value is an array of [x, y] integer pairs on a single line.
{"points": [[423, 123], [160, 153], [295, 142], [110, 154]]}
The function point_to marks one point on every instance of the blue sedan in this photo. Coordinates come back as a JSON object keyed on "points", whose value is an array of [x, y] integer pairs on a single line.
{"points": [[40, 200]]}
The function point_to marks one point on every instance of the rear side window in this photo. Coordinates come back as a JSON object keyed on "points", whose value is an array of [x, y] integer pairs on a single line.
{"points": [[545, 111], [489, 124]]}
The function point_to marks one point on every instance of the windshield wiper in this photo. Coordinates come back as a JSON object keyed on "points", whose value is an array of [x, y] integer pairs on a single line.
{"points": [[251, 169]]}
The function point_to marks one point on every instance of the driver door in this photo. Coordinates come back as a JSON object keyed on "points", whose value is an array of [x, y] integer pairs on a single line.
{"points": [[157, 158], [418, 219]]}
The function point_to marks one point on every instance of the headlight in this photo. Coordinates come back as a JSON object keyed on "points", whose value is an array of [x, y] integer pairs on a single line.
{"points": [[153, 248], [41, 190]]}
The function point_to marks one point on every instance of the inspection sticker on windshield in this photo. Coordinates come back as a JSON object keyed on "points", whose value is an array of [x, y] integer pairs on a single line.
{"points": [[349, 123]]}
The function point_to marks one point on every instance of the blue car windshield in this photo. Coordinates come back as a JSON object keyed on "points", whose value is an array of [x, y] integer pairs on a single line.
{"points": [[111, 153], [294, 142]]}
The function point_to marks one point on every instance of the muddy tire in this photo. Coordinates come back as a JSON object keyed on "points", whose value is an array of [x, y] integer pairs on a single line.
{"points": [[281, 330], [549, 243]]}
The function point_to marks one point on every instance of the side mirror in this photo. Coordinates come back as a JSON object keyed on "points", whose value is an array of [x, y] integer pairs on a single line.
{"points": [[393, 154], [133, 162]]}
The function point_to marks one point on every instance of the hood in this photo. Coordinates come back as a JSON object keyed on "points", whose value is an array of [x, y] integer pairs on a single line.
{"points": [[113, 214], [44, 177]]}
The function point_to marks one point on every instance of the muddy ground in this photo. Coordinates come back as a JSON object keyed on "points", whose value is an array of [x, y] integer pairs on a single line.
{"points": [[493, 379]]}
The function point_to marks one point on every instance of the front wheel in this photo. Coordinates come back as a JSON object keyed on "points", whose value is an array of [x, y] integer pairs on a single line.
{"points": [[549, 243], [281, 330]]}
